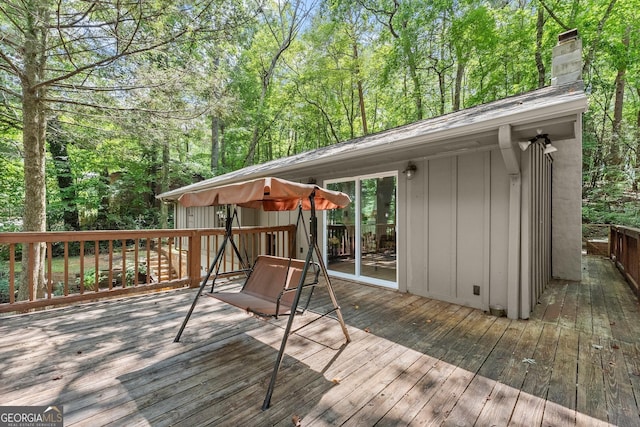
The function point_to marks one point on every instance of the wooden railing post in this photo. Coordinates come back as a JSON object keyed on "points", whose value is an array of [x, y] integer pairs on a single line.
{"points": [[610, 244], [194, 258]]}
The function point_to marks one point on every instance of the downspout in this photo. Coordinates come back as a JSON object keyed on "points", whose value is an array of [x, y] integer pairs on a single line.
{"points": [[515, 189]]}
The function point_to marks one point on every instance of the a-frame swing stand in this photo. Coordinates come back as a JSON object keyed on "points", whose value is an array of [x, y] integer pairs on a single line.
{"points": [[293, 309]]}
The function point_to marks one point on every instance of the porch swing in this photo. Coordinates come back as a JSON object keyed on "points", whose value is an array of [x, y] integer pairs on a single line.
{"points": [[274, 285]]}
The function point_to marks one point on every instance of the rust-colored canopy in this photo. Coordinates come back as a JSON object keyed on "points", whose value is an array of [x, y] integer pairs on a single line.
{"points": [[270, 194]]}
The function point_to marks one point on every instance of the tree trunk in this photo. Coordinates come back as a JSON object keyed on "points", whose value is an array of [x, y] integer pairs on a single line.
{"points": [[363, 112], [417, 87], [443, 91], [588, 59], [33, 140], [223, 157], [615, 157], [538, 54], [636, 182], [102, 219], [164, 183], [35, 198], [60, 155], [458, 85], [215, 143], [384, 194]]}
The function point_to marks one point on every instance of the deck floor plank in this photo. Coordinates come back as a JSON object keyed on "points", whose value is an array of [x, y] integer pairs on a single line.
{"points": [[529, 408], [381, 327], [590, 396], [553, 300], [621, 403], [470, 348], [411, 360], [569, 313]]}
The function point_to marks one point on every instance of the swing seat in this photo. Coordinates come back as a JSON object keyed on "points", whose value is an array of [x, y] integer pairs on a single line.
{"points": [[270, 288]]}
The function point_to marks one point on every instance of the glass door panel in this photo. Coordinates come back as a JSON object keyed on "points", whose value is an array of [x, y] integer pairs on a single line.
{"points": [[378, 228], [341, 232]]}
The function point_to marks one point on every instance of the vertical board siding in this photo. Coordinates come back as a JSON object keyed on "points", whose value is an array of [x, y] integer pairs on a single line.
{"points": [[440, 228], [538, 186], [457, 214], [499, 223], [470, 228]]}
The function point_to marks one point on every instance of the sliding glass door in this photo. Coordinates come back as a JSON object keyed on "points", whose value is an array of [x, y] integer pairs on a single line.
{"points": [[361, 238]]}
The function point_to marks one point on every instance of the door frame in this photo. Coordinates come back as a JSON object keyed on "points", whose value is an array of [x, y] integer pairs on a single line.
{"points": [[358, 231]]}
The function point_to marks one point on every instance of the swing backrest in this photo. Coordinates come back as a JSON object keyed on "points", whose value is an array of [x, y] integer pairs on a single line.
{"points": [[271, 275]]}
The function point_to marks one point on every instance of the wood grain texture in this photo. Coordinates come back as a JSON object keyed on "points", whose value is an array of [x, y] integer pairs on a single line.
{"points": [[412, 360]]}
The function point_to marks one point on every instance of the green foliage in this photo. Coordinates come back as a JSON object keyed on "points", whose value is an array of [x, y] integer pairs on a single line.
{"points": [[409, 59], [89, 279], [4, 290]]}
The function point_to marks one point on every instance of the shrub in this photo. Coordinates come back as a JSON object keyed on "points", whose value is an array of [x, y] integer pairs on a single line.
{"points": [[89, 279], [4, 290]]}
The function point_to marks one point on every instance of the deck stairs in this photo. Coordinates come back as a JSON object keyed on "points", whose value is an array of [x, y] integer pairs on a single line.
{"points": [[163, 267]]}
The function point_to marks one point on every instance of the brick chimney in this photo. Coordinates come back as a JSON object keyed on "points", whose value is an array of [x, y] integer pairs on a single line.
{"points": [[566, 62]]}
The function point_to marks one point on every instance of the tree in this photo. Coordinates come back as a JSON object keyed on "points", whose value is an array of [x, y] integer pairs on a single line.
{"points": [[283, 23], [58, 142], [70, 52]]}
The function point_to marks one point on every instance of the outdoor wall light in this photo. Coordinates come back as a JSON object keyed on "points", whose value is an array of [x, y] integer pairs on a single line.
{"points": [[548, 147], [524, 145], [410, 171]]}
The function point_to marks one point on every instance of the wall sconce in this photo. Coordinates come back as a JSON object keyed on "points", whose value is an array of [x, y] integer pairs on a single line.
{"points": [[548, 147], [524, 145], [410, 171]]}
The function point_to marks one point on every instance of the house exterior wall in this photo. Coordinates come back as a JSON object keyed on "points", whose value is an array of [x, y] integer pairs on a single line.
{"points": [[453, 225], [566, 217], [456, 230]]}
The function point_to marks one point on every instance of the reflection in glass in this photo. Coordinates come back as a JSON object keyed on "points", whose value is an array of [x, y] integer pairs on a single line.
{"points": [[368, 222], [378, 228], [341, 231]]}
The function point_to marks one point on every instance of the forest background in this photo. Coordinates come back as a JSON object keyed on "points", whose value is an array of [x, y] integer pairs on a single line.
{"points": [[104, 104]]}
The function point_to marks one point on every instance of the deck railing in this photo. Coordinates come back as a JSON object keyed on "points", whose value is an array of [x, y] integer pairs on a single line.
{"points": [[624, 244], [88, 265]]}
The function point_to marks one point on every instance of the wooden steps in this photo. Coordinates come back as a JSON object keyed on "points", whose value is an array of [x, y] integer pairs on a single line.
{"points": [[163, 267]]}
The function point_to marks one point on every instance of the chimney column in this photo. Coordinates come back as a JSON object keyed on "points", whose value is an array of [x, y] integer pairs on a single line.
{"points": [[566, 63]]}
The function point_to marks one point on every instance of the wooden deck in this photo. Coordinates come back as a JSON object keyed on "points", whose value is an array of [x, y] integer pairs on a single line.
{"points": [[412, 360]]}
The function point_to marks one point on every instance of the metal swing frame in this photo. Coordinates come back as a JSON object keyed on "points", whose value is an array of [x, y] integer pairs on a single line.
{"points": [[313, 249]]}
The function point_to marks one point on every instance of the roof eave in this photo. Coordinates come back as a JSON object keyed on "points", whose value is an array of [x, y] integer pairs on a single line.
{"points": [[567, 105]]}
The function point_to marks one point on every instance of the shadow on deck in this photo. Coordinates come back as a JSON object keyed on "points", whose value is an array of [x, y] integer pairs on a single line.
{"points": [[412, 360]]}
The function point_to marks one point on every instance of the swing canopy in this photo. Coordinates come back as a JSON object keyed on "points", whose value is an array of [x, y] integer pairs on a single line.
{"points": [[270, 194]]}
